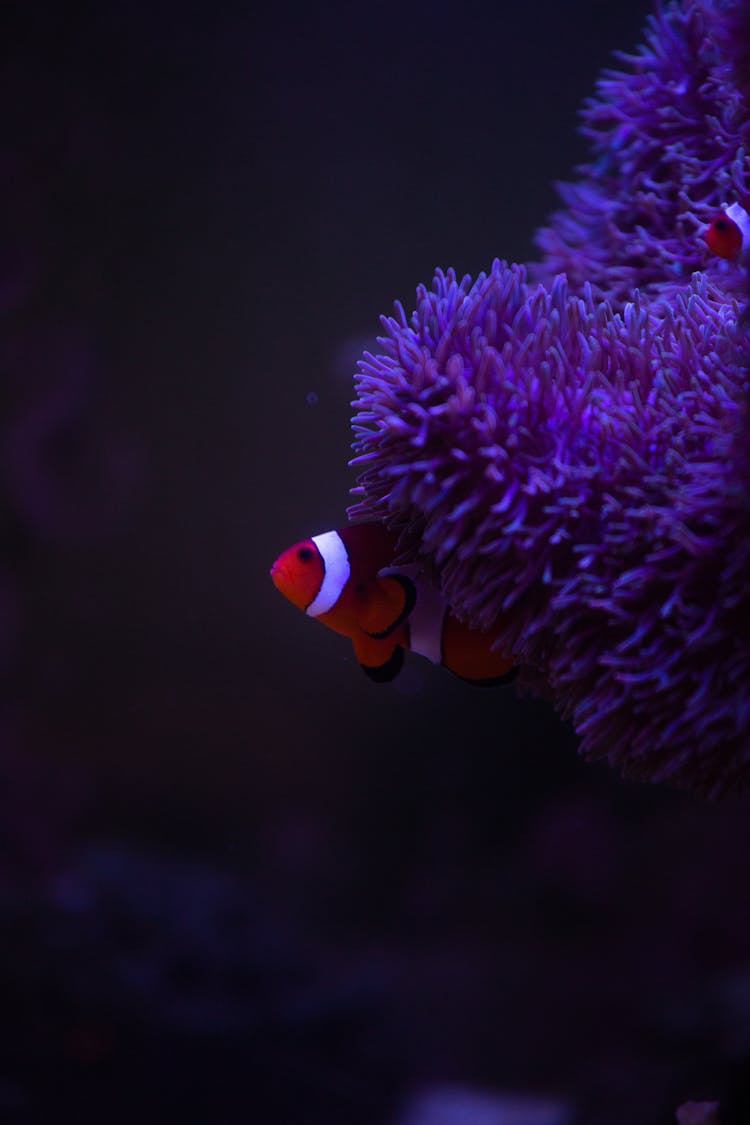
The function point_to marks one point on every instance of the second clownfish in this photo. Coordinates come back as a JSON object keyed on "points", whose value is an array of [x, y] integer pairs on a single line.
{"points": [[346, 581], [728, 234]]}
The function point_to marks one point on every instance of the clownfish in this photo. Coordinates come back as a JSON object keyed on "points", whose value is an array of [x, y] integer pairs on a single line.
{"points": [[728, 234], [345, 579]]}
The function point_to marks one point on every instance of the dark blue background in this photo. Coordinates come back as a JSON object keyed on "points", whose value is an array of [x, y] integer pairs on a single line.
{"points": [[239, 881]]}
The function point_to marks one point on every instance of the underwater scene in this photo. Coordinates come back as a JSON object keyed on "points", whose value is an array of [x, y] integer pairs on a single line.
{"points": [[375, 568]]}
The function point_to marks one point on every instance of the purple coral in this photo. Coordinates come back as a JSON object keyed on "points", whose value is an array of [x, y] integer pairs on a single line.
{"points": [[668, 140], [577, 469]]}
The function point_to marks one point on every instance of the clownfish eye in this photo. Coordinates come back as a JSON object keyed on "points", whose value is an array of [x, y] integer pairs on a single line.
{"points": [[721, 224], [305, 554]]}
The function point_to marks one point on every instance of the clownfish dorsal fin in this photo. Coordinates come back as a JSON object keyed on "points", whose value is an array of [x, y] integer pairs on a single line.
{"points": [[386, 604]]}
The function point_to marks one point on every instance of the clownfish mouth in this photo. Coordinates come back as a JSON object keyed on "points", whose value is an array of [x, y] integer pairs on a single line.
{"points": [[281, 580], [278, 577]]}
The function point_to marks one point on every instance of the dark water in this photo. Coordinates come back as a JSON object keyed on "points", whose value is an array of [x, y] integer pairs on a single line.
{"points": [[238, 882]]}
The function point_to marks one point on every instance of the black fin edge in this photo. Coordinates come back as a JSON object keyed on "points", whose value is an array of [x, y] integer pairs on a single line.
{"points": [[388, 671], [410, 593]]}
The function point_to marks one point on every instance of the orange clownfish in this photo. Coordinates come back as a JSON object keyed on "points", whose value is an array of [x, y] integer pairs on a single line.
{"points": [[728, 234], [345, 579]]}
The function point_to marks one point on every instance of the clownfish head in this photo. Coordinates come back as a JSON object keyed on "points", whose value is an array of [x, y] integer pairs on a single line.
{"points": [[298, 573], [724, 237]]}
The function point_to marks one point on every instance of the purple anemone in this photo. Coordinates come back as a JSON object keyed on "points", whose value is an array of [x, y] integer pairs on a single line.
{"points": [[668, 140], [570, 455]]}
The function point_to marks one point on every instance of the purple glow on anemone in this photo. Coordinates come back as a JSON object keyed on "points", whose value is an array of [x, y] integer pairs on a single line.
{"points": [[575, 469], [670, 142]]}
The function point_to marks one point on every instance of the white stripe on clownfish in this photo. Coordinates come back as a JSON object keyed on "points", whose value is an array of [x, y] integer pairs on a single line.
{"points": [[336, 572], [737, 213], [428, 615]]}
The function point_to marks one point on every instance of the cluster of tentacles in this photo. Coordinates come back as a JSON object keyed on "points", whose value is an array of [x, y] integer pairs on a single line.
{"points": [[570, 455]]}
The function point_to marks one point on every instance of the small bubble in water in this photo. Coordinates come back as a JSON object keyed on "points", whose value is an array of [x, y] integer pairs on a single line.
{"points": [[311, 398]]}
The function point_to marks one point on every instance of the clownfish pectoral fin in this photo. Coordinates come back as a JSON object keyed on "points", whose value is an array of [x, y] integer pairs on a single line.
{"points": [[387, 603], [378, 659]]}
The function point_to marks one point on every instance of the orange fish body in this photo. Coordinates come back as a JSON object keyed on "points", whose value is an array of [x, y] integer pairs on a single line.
{"points": [[345, 579], [728, 234]]}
